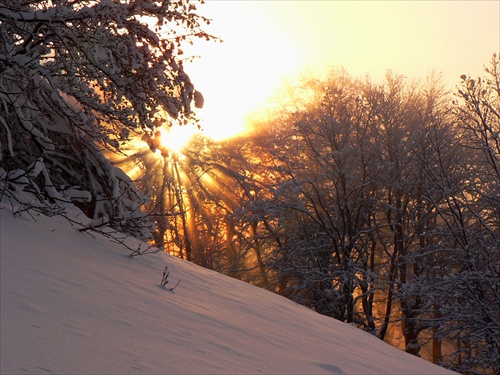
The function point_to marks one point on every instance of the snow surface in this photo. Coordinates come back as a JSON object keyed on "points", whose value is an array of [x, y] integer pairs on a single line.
{"points": [[72, 303]]}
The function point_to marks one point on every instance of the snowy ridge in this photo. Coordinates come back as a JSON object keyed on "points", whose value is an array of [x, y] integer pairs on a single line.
{"points": [[76, 304]]}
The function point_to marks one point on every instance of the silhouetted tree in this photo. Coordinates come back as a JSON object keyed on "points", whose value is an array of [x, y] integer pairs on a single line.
{"points": [[79, 77]]}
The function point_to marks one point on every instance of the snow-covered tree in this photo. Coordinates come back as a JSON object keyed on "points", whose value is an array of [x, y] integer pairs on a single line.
{"points": [[384, 211], [469, 290], [77, 77], [317, 199]]}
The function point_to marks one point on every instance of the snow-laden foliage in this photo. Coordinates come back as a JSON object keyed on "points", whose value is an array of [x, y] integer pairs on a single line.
{"points": [[79, 76]]}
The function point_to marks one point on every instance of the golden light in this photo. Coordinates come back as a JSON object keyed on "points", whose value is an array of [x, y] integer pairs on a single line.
{"points": [[264, 41], [237, 76], [174, 138]]}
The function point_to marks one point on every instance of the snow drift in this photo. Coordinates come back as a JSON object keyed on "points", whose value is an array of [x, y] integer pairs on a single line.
{"points": [[72, 302]]}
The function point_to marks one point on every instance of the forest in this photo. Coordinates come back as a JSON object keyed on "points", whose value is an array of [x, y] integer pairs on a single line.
{"points": [[374, 203]]}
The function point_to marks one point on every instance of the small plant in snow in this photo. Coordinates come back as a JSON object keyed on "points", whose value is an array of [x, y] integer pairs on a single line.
{"points": [[164, 279]]}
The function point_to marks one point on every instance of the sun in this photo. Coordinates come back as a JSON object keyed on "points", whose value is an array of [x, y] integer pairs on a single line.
{"points": [[171, 140]]}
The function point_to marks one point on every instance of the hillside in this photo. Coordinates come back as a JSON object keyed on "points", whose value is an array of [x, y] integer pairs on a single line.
{"points": [[76, 303]]}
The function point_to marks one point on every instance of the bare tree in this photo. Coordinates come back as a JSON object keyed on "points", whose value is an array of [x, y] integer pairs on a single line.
{"points": [[470, 232]]}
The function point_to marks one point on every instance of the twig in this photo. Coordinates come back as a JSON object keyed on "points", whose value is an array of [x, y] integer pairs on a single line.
{"points": [[164, 279]]}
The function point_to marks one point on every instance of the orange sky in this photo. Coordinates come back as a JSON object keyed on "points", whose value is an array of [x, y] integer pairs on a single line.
{"points": [[266, 40]]}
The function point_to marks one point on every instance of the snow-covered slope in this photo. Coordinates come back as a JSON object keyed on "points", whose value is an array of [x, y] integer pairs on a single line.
{"points": [[71, 303]]}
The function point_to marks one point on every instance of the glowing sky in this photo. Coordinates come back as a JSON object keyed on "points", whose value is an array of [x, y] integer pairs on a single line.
{"points": [[267, 40]]}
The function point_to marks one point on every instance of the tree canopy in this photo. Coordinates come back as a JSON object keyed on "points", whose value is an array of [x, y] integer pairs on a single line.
{"points": [[80, 76]]}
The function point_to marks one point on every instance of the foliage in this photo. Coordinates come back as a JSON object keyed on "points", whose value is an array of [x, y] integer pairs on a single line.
{"points": [[77, 77]]}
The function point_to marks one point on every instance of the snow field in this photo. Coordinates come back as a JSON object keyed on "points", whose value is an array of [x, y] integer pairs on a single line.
{"points": [[73, 303]]}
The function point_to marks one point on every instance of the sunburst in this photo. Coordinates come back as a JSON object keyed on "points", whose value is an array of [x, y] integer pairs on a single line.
{"points": [[190, 194]]}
